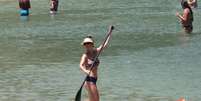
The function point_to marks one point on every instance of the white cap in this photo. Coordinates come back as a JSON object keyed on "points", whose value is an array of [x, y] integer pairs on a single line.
{"points": [[87, 40]]}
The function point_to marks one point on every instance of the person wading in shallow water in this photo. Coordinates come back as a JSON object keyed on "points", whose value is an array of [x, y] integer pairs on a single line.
{"points": [[54, 6], [187, 18], [24, 6], [87, 62]]}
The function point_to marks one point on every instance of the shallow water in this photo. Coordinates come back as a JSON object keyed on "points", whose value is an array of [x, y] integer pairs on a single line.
{"points": [[148, 59]]}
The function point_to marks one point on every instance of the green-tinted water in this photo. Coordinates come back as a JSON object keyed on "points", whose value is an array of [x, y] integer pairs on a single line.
{"points": [[148, 58]]}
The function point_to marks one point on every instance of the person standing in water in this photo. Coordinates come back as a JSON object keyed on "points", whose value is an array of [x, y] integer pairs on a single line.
{"points": [[187, 18], [54, 6], [89, 65], [24, 7]]}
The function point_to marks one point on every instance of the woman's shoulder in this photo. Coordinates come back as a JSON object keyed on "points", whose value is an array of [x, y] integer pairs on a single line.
{"points": [[186, 10], [84, 55], [96, 49]]}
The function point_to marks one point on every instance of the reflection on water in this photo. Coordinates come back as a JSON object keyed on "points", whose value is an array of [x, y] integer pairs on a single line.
{"points": [[24, 18]]}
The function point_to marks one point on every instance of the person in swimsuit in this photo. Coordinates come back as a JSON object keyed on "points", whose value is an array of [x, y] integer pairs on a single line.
{"points": [[88, 61], [187, 18], [24, 6], [54, 6]]}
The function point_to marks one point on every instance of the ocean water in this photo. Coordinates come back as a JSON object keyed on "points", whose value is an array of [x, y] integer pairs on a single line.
{"points": [[148, 58]]}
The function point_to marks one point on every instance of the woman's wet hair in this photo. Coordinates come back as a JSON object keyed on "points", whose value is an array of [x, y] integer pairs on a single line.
{"points": [[185, 5]]}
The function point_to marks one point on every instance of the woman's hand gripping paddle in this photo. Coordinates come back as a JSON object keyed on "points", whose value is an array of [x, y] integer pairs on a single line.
{"points": [[78, 95]]}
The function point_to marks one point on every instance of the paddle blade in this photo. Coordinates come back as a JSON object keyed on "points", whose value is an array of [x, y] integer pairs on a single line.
{"points": [[78, 95]]}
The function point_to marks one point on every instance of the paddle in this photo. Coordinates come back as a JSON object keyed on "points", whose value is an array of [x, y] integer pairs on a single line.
{"points": [[78, 95]]}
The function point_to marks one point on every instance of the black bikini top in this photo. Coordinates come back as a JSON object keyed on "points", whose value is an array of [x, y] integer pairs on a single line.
{"points": [[91, 59]]}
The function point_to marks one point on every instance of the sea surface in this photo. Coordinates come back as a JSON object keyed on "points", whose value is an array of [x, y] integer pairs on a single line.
{"points": [[149, 58]]}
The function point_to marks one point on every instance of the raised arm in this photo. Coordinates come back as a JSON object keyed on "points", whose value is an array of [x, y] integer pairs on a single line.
{"points": [[106, 41]]}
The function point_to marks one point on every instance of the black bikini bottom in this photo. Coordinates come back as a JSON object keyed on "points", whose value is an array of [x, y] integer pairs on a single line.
{"points": [[91, 79]]}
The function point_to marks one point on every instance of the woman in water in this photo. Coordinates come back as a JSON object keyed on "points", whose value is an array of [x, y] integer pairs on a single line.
{"points": [[88, 61], [187, 18], [54, 6], [24, 7]]}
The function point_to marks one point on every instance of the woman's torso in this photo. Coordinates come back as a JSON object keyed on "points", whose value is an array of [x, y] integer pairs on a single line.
{"points": [[189, 20], [92, 62]]}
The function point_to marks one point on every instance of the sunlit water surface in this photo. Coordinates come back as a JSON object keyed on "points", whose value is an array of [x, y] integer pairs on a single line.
{"points": [[148, 59]]}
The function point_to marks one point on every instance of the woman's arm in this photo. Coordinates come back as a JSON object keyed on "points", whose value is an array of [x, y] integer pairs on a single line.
{"points": [[103, 45], [180, 16], [82, 64], [51, 4], [185, 15]]}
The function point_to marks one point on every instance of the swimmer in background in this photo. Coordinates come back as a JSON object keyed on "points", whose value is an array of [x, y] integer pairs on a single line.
{"points": [[24, 6], [54, 6], [187, 18]]}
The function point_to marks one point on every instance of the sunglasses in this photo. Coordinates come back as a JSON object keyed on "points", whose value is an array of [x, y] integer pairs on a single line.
{"points": [[87, 43]]}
